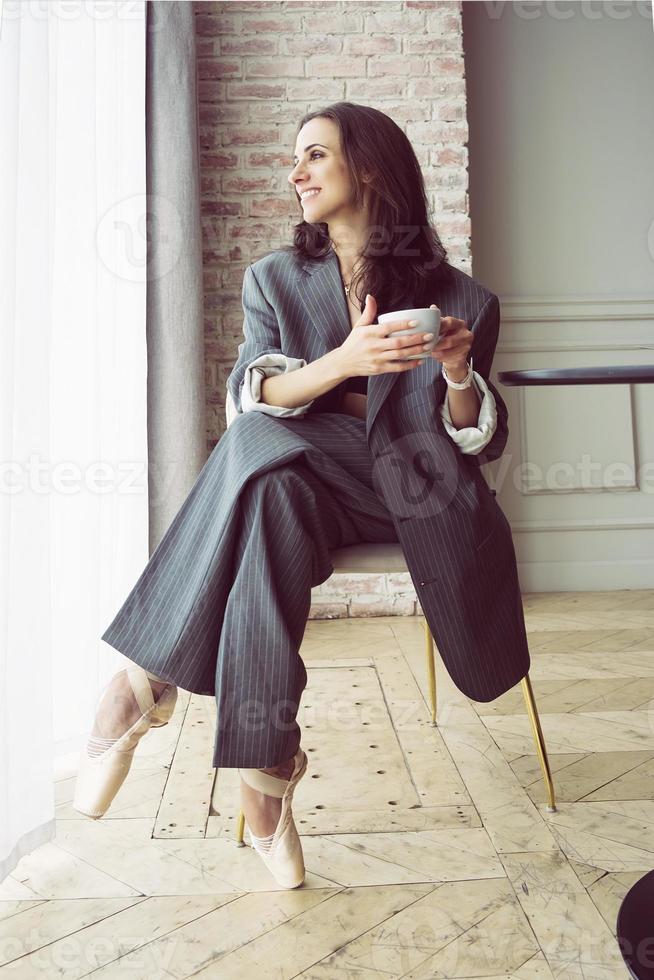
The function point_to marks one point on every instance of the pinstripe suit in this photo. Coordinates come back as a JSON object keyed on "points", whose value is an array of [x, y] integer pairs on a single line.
{"points": [[221, 606]]}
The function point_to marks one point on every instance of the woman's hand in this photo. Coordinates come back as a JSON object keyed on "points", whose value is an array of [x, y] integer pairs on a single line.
{"points": [[367, 350], [452, 351]]}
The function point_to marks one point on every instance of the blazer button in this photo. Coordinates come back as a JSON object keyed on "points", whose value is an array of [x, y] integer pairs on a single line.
{"points": [[422, 583]]}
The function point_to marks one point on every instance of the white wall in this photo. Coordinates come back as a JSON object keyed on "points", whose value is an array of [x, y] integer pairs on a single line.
{"points": [[560, 100]]}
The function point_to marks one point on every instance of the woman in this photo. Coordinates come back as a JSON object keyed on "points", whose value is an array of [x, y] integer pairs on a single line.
{"points": [[365, 246]]}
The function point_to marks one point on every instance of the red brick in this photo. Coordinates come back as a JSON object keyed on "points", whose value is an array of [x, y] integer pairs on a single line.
{"points": [[268, 159], [218, 68], [437, 132], [219, 349], [250, 4], [395, 66], [274, 68], [232, 277], [374, 89], [429, 89], [251, 230], [328, 610], [455, 226], [451, 201], [272, 112], [454, 178], [252, 44], [311, 44], [382, 605], [449, 111], [248, 185], [221, 161], [217, 300], [268, 207], [293, 7], [403, 111], [211, 91], [222, 207], [328, 21], [209, 183], [255, 90], [217, 113], [319, 88], [210, 279], [266, 23], [344, 67], [248, 135], [455, 156], [427, 44], [205, 47], [210, 25], [363, 45], [444, 65], [442, 19], [401, 22], [209, 137], [287, 134]]}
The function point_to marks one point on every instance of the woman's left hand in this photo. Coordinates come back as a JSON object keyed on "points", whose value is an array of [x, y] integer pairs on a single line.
{"points": [[453, 349]]}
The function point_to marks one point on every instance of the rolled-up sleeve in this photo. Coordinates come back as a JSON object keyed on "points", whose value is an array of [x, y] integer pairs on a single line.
{"points": [[265, 366], [260, 355], [472, 438]]}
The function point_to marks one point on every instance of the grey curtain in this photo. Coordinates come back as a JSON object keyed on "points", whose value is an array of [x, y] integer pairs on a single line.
{"points": [[175, 395]]}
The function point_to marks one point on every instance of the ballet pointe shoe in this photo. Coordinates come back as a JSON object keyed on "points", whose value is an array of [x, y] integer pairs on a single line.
{"points": [[282, 851], [100, 777]]}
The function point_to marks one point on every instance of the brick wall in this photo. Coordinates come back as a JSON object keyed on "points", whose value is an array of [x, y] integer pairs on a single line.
{"points": [[261, 66]]}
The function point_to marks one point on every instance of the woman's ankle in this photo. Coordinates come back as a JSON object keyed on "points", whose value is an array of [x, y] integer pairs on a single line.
{"points": [[283, 771]]}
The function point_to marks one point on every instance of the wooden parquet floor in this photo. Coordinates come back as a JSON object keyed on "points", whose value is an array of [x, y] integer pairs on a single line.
{"points": [[429, 851]]}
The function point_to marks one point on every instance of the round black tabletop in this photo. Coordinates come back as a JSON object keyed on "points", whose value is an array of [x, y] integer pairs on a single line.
{"points": [[634, 928], [616, 375]]}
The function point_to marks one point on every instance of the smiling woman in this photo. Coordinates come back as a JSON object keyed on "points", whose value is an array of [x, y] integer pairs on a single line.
{"points": [[359, 185], [222, 606], [370, 206]]}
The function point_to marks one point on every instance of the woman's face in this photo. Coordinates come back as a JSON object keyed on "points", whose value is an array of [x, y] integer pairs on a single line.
{"points": [[322, 166]]}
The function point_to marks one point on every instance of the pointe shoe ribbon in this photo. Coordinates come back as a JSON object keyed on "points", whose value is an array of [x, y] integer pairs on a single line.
{"points": [[282, 851], [100, 777]]}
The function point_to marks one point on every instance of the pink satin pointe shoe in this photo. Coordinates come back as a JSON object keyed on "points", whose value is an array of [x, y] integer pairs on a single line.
{"points": [[103, 771], [282, 851]]}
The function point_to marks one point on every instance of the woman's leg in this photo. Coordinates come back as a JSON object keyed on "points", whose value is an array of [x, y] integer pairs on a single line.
{"points": [[288, 524], [118, 710]]}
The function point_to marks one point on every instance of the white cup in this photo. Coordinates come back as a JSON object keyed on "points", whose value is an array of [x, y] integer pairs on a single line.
{"points": [[429, 321]]}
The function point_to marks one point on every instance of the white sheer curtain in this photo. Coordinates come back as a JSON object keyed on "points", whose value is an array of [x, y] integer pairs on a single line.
{"points": [[73, 372]]}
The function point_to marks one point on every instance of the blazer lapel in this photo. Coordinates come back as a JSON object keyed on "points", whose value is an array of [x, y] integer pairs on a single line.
{"points": [[321, 290]]}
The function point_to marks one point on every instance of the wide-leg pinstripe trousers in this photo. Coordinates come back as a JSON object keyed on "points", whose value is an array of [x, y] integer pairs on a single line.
{"points": [[222, 605]]}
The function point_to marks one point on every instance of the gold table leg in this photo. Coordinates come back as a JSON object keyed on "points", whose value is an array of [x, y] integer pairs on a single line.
{"points": [[431, 671], [532, 711]]}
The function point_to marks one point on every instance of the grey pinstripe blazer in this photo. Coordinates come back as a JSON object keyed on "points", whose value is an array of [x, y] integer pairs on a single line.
{"points": [[455, 537]]}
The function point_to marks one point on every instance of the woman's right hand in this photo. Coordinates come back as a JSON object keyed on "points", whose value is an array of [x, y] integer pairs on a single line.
{"points": [[367, 350]]}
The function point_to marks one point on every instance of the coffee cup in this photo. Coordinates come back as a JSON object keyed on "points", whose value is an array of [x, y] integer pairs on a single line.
{"points": [[429, 321]]}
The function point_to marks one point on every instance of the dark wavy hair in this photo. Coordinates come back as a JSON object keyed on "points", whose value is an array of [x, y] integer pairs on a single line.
{"points": [[403, 258]]}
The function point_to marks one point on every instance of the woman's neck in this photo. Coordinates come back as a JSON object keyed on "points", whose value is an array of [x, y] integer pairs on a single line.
{"points": [[348, 264]]}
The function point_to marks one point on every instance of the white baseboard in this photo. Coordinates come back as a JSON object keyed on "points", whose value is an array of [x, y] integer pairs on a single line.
{"points": [[585, 576]]}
